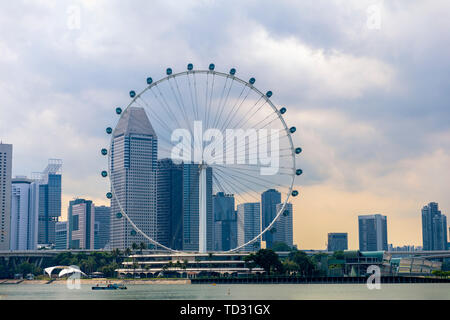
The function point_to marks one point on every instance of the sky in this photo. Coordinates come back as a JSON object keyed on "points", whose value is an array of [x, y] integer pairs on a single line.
{"points": [[366, 83]]}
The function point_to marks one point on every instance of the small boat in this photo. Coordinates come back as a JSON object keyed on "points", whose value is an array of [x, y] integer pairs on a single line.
{"points": [[113, 286]]}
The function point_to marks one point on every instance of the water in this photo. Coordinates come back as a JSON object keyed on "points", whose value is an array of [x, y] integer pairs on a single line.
{"points": [[229, 291]]}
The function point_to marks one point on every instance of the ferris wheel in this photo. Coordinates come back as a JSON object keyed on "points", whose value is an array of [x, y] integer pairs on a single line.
{"points": [[231, 132]]}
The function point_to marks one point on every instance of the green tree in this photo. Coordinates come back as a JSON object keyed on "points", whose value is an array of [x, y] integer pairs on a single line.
{"points": [[142, 246], [281, 247], [266, 259], [306, 265]]}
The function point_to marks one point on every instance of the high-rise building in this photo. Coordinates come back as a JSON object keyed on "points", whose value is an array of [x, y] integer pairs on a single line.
{"points": [[81, 216], [372, 232], [102, 226], [225, 222], [191, 173], [337, 241], [434, 228], [24, 214], [61, 230], [282, 230], [249, 225], [269, 201], [49, 201], [170, 204], [5, 194], [133, 175]]}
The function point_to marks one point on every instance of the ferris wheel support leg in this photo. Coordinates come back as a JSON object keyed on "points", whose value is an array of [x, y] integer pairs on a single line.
{"points": [[202, 238]]}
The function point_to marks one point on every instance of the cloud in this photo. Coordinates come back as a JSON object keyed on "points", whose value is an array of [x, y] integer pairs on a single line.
{"points": [[371, 106]]}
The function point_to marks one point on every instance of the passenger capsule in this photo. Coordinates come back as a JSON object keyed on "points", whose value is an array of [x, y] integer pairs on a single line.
{"points": [[168, 71], [190, 66], [109, 195], [149, 80], [104, 152], [252, 80], [294, 193], [119, 215], [132, 94], [268, 94], [233, 71], [283, 110], [109, 130], [292, 129], [104, 174], [133, 232], [298, 172], [286, 213], [298, 150], [118, 110], [211, 66]]}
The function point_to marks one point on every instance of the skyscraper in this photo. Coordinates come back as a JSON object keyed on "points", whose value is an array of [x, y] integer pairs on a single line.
{"points": [[269, 201], [372, 232], [434, 228], [81, 218], [337, 241], [103, 222], [133, 176], [249, 225], [5, 194], [24, 214], [191, 210], [170, 204], [49, 201], [283, 226], [61, 230], [225, 222]]}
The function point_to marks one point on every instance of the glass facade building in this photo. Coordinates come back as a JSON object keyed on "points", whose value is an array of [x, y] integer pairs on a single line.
{"points": [[249, 225], [372, 232], [133, 175], [282, 230], [337, 241], [61, 230], [434, 228], [225, 222], [5, 194], [170, 204], [269, 201], [81, 224], [102, 226]]}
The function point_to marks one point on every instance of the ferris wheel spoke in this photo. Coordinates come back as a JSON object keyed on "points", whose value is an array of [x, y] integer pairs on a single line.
{"points": [[192, 98], [241, 180], [232, 113], [222, 107], [208, 110], [240, 171], [237, 187], [165, 106], [181, 103], [154, 115]]}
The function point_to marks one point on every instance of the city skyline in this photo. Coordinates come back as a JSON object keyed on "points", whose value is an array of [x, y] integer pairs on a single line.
{"points": [[374, 141]]}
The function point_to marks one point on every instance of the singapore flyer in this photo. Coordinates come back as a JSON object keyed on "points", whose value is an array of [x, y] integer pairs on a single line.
{"points": [[195, 147]]}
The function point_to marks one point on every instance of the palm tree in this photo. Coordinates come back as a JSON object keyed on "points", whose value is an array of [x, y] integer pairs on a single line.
{"points": [[142, 246], [134, 246]]}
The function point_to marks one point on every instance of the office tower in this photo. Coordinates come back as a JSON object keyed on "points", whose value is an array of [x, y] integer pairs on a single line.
{"points": [[5, 194], [372, 232], [191, 174], [133, 175], [61, 230], [225, 222], [434, 228], [249, 225], [170, 204], [337, 241], [24, 214], [102, 226], [282, 230], [49, 201], [269, 201], [81, 216]]}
